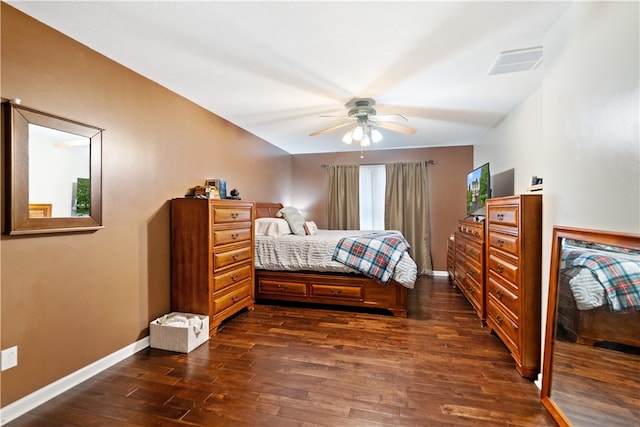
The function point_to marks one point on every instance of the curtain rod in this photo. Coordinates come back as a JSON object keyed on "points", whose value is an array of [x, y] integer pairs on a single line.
{"points": [[429, 162]]}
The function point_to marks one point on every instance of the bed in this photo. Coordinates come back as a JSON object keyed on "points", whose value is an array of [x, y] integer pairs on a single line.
{"points": [[299, 268], [599, 294]]}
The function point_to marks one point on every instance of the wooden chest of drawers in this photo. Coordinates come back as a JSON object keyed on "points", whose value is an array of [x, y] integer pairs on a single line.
{"points": [[212, 267], [451, 256], [469, 268], [514, 241]]}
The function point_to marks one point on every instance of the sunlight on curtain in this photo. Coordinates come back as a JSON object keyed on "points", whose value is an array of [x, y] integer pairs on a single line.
{"points": [[342, 206], [372, 191]]}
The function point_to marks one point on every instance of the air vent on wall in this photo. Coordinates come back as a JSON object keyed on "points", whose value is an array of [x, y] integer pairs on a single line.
{"points": [[511, 61]]}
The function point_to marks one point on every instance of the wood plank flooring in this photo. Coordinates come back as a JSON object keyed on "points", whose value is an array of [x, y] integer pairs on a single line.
{"points": [[300, 366]]}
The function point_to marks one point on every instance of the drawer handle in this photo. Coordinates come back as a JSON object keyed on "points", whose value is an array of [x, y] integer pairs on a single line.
{"points": [[335, 291], [235, 277], [499, 294], [500, 217], [500, 242], [282, 287], [235, 298], [235, 257], [498, 319], [499, 268], [234, 215], [234, 236]]}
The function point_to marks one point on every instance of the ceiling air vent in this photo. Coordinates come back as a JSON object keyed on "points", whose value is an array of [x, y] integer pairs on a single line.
{"points": [[511, 61]]}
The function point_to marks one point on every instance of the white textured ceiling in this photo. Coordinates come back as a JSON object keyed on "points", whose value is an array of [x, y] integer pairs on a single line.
{"points": [[273, 67]]}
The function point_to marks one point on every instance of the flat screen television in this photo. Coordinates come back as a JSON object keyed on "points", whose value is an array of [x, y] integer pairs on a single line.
{"points": [[478, 190]]}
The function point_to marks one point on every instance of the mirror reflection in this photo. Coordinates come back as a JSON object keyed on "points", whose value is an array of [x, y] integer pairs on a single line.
{"points": [[55, 179], [59, 183], [594, 373]]}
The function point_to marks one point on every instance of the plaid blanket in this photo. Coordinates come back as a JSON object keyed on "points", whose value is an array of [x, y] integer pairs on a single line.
{"points": [[619, 276], [375, 255]]}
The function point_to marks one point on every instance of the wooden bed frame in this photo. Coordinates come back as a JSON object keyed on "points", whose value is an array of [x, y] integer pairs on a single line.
{"points": [[596, 325], [353, 290]]}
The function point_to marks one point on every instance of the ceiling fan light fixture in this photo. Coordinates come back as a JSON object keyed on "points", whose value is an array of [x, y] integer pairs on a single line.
{"points": [[348, 138], [376, 136], [358, 133], [363, 122]]}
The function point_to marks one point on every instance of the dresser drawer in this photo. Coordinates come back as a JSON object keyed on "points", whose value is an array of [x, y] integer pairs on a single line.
{"points": [[223, 302], [475, 229], [229, 214], [235, 235], [502, 268], [342, 292], [277, 287], [474, 292], [474, 251], [460, 265], [226, 258], [222, 281], [503, 295], [504, 242], [506, 328], [473, 270], [458, 275], [503, 215]]}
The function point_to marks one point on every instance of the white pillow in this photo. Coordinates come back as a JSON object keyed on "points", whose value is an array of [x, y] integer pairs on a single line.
{"points": [[272, 227]]}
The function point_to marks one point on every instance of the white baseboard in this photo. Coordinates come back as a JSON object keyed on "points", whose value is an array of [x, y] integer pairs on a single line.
{"points": [[38, 397], [439, 273]]}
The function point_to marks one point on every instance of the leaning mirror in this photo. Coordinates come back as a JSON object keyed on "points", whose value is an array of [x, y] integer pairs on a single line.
{"points": [[55, 174], [591, 372]]}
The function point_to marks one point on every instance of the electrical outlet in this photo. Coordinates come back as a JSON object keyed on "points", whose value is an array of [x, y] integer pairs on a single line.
{"points": [[9, 358]]}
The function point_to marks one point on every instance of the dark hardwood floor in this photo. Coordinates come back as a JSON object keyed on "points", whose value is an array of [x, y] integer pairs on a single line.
{"points": [[301, 366]]}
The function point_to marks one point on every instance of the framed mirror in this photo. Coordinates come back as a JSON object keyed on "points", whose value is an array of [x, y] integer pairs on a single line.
{"points": [[54, 172], [591, 371]]}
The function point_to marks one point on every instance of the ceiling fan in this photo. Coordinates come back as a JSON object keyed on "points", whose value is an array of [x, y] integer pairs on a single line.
{"points": [[365, 122]]}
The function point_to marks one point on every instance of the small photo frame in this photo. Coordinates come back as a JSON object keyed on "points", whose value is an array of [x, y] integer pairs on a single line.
{"points": [[220, 184]]}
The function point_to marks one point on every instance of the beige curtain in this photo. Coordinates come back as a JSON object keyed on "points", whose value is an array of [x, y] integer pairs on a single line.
{"points": [[344, 193], [407, 209]]}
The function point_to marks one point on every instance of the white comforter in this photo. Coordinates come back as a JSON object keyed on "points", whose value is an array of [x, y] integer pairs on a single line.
{"points": [[313, 253]]}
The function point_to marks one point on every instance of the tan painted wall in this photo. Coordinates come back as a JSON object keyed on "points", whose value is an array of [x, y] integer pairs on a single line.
{"points": [[447, 182], [68, 300]]}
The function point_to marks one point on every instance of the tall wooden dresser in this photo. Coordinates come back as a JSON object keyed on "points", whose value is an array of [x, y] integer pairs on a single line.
{"points": [[451, 256], [212, 266], [469, 268], [514, 245]]}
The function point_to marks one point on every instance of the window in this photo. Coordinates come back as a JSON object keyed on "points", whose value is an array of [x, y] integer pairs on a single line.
{"points": [[372, 190]]}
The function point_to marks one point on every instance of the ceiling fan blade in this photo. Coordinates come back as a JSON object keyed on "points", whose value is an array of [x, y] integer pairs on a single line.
{"points": [[397, 128], [332, 128], [388, 117]]}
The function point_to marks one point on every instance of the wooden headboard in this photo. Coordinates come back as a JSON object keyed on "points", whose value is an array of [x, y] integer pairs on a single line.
{"points": [[266, 209]]}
